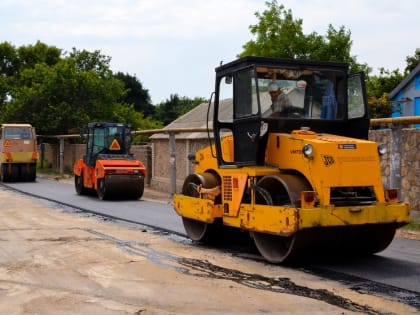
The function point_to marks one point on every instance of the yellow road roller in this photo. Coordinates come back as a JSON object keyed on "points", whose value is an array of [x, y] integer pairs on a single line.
{"points": [[18, 152], [289, 162]]}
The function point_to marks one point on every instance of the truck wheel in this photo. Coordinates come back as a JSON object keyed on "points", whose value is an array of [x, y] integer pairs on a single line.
{"points": [[101, 189], [15, 173], [32, 172], [278, 190], [198, 230], [140, 189], [5, 173], [78, 185], [365, 240]]}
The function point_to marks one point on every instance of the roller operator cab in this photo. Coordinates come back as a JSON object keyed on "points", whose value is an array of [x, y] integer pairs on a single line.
{"points": [[19, 153], [108, 167], [290, 163]]}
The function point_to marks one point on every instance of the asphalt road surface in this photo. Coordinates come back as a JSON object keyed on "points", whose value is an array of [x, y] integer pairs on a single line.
{"points": [[153, 214], [398, 266]]}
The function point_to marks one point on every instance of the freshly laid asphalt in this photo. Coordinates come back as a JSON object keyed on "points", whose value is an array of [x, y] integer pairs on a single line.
{"points": [[153, 214]]}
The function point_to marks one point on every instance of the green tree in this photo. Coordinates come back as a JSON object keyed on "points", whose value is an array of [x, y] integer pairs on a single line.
{"points": [[60, 98], [14, 60], [58, 93], [136, 94], [278, 34], [385, 82], [31, 55], [412, 61], [378, 88], [91, 61], [174, 107], [9, 59], [8, 68], [379, 107]]}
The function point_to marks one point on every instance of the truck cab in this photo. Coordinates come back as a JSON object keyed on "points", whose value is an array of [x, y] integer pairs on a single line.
{"points": [[317, 96]]}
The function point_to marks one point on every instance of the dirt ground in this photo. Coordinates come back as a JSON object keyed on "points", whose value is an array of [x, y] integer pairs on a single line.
{"points": [[53, 261]]}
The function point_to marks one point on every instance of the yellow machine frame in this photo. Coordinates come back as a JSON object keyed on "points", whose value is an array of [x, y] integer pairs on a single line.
{"points": [[323, 171]]}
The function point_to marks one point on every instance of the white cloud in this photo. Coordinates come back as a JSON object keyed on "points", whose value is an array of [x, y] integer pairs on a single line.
{"points": [[173, 46]]}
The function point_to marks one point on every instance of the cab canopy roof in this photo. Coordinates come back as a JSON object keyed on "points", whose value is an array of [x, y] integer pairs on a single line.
{"points": [[15, 125], [283, 62], [107, 124]]}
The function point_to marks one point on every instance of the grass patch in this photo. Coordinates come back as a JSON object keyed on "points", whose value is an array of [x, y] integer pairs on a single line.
{"points": [[47, 171], [50, 171], [412, 226]]}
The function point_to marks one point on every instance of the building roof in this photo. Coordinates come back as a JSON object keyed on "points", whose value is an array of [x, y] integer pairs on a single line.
{"points": [[197, 118], [16, 125], [404, 82]]}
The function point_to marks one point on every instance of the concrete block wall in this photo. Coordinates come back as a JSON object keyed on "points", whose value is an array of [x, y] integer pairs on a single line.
{"points": [[401, 165], [161, 162], [410, 167]]}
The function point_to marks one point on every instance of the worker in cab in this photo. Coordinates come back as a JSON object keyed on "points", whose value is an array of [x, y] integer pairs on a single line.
{"points": [[280, 101]]}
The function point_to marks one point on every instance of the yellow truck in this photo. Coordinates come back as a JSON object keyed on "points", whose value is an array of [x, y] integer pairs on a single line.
{"points": [[18, 152], [290, 163]]}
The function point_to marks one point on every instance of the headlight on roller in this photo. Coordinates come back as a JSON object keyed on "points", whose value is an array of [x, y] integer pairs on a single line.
{"points": [[308, 150]]}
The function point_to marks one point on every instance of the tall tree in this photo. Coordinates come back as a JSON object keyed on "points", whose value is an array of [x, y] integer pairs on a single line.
{"points": [[91, 61], [175, 106], [60, 98], [379, 86], [14, 60], [385, 82], [31, 55], [278, 34], [412, 61], [8, 69], [136, 94], [8, 59], [58, 93]]}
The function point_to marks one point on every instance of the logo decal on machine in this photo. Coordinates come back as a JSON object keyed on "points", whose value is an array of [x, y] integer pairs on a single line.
{"points": [[347, 146], [328, 160], [295, 151]]}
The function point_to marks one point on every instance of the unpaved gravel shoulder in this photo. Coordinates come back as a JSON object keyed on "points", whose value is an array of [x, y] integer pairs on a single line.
{"points": [[53, 262]]}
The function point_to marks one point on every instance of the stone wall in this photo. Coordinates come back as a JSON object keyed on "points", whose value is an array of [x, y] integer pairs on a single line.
{"points": [[410, 168], [401, 165], [161, 161]]}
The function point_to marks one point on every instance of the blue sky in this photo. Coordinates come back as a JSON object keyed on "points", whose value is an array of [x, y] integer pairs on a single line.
{"points": [[173, 46]]}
